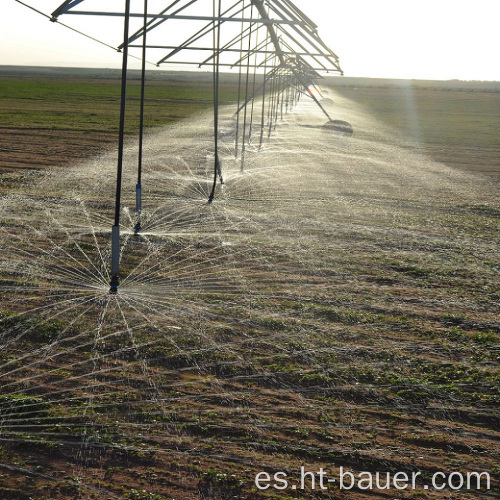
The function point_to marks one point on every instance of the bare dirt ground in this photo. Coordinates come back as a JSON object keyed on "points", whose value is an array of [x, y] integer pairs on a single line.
{"points": [[336, 306], [56, 117], [35, 149], [454, 122]]}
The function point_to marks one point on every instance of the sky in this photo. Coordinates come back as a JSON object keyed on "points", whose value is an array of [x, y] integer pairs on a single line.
{"points": [[420, 39]]}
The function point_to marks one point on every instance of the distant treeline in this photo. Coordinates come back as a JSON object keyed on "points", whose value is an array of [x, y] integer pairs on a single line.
{"points": [[458, 85], [172, 75]]}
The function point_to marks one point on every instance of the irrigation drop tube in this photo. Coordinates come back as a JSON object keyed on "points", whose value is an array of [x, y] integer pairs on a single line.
{"points": [[272, 41]]}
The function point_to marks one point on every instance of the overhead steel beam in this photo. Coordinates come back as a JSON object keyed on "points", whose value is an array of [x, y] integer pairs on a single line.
{"points": [[196, 36], [186, 18], [64, 8], [259, 4], [310, 36], [149, 24], [229, 65], [234, 41], [298, 13]]}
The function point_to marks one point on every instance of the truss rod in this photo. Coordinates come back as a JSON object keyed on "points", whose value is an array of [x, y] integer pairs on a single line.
{"points": [[309, 33], [234, 41], [54, 20], [311, 36], [68, 4], [148, 26], [229, 65], [51, 18], [188, 18], [288, 52], [255, 50], [314, 56], [199, 34], [298, 13]]}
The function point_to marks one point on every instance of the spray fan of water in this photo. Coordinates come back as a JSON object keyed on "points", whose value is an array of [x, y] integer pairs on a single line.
{"points": [[288, 321]]}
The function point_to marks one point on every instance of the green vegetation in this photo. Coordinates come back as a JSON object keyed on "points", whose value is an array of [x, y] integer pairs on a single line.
{"points": [[20, 405], [36, 331], [63, 118], [456, 122], [354, 331], [93, 106]]}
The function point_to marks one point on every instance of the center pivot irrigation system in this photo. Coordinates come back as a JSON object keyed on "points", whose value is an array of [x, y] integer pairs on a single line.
{"points": [[273, 44]]}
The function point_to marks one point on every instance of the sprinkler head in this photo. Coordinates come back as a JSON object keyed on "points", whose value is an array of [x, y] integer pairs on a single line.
{"points": [[137, 228], [114, 285], [339, 126]]}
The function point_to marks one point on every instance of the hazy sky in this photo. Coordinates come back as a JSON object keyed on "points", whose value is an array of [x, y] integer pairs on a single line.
{"points": [[427, 39]]}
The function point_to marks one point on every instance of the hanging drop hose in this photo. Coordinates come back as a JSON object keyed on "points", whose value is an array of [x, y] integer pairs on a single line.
{"points": [[138, 187], [283, 94], [216, 43], [270, 115], [253, 87], [278, 99], [115, 231], [236, 137], [243, 143], [263, 110]]}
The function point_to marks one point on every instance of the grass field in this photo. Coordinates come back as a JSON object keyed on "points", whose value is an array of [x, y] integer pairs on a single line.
{"points": [[70, 114], [454, 122], [50, 120], [337, 305]]}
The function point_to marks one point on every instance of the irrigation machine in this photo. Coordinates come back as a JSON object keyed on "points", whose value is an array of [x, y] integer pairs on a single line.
{"points": [[274, 46]]}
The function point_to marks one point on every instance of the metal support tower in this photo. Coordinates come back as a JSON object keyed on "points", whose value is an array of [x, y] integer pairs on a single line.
{"points": [[273, 38]]}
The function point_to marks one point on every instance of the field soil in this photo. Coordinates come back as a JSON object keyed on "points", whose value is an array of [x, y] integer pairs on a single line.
{"points": [[337, 305], [54, 118], [454, 122]]}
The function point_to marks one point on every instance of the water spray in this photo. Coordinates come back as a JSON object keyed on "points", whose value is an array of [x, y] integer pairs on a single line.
{"points": [[115, 259], [339, 126], [215, 82], [293, 56], [115, 232], [138, 186], [138, 207]]}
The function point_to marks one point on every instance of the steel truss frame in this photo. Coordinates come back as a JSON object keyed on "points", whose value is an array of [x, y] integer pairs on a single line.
{"points": [[272, 40]]}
